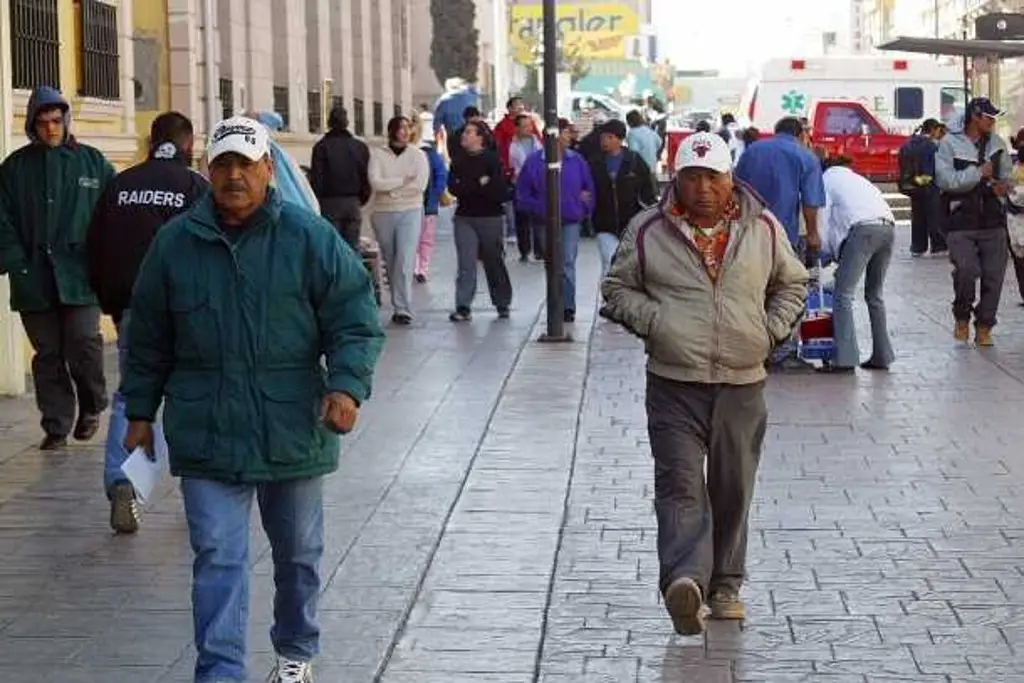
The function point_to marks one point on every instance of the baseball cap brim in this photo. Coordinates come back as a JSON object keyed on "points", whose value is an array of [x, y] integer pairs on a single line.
{"points": [[236, 145]]}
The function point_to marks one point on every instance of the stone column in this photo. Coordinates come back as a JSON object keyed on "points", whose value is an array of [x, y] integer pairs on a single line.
{"points": [[12, 338], [184, 44], [385, 70], [363, 63], [260, 55], [125, 33], [342, 47], [318, 52], [232, 33]]}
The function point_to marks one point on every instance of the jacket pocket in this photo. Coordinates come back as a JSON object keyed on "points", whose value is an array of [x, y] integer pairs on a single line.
{"points": [[196, 330], [678, 339], [291, 414], [188, 415], [743, 339]]}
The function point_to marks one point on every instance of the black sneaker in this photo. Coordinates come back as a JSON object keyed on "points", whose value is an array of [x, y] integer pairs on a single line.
{"points": [[503, 312], [403, 319], [421, 278], [461, 315], [87, 427], [124, 512], [569, 316], [53, 443]]}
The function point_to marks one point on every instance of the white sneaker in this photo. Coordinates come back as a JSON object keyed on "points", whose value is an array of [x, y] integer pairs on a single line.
{"points": [[289, 671]]}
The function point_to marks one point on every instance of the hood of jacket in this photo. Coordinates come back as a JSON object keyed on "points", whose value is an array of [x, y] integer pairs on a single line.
{"points": [[42, 98]]}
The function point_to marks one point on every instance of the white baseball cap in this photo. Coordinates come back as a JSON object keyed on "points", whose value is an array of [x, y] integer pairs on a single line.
{"points": [[704, 150], [239, 135]]}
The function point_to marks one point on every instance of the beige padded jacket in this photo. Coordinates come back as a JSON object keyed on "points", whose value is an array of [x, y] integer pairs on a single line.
{"points": [[696, 329]]}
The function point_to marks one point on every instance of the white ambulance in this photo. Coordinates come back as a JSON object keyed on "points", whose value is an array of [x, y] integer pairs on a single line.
{"points": [[901, 92]]}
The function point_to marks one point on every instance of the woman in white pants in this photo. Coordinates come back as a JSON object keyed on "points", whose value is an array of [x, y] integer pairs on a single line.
{"points": [[399, 173]]}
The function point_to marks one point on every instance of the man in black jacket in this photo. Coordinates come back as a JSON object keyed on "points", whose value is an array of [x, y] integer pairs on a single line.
{"points": [[138, 202], [339, 176], [623, 186]]}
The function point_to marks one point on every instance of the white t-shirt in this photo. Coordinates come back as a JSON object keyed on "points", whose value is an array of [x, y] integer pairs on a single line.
{"points": [[850, 199]]}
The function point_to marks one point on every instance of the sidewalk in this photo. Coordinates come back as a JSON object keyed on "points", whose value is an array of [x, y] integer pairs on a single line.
{"points": [[491, 521]]}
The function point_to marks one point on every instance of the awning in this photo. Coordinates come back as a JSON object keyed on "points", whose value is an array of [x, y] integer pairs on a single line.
{"points": [[1000, 49]]}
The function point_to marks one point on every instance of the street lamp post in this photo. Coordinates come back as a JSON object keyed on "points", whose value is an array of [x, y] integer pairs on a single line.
{"points": [[555, 265]]}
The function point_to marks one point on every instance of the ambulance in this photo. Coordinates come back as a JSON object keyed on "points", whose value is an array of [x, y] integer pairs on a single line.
{"points": [[899, 92]]}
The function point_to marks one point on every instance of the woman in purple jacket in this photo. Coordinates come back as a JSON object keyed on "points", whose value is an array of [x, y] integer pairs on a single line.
{"points": [[577, 203]]}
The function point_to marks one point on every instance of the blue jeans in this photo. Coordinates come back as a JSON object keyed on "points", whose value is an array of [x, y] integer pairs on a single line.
{"points": [[607, 245], [118, 427], [218, 516], [866, 253], [571, 248]]}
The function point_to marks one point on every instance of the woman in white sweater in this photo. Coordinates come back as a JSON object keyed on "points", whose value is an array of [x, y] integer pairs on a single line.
{"points": [[399, 173]]}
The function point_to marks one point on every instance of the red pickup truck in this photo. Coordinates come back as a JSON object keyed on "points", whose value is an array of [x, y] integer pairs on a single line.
{"points": [[841, 127]]}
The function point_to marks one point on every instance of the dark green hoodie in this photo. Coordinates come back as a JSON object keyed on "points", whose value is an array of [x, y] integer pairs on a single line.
{"points": [[47, 196]]}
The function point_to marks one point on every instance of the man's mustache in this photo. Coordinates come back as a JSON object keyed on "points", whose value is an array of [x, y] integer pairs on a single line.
{"points": [[235, 187]]}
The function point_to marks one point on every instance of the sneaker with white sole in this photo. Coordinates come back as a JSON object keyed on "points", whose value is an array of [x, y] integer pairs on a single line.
{"points": [[291, 671]]}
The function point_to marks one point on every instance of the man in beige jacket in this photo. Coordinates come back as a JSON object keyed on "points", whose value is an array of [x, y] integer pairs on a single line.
{"points": [[709, 281]]}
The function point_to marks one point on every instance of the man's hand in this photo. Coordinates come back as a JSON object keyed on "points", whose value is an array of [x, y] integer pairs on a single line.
{"points": [[140, 435], [585, 197], [1001, 189], [988, 170], [813, 241], [340, 412]]}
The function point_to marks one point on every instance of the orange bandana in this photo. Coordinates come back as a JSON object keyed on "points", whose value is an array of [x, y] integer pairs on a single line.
{"points": [[711, 246]]}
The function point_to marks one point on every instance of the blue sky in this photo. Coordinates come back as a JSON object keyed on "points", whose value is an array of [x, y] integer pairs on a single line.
{"points": [[736, 35]]}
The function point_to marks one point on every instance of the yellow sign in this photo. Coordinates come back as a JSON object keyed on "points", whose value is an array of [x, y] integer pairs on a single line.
{"points": [[591, 31]]}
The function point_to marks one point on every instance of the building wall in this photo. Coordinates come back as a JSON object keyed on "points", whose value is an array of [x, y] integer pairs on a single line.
{"points": [[150, 51]]}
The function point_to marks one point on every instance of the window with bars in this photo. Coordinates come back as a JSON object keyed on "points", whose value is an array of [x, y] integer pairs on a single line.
{"points": [[35, 43], [281, 104], [359, 117], [227, 98], [316, 116], [100, 60], [378, 118]]}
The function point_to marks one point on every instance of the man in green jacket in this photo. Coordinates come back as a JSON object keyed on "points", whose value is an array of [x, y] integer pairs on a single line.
{"points": [[234, 306], [48, 190]]}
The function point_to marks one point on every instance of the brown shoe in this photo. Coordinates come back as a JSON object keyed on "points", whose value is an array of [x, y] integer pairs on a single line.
{"points": [[962, 333], [727, 606], [685, 605], [983, 336]]}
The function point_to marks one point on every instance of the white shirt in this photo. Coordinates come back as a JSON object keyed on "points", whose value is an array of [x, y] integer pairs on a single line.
{"points": [[850, 199], [519, 151]]}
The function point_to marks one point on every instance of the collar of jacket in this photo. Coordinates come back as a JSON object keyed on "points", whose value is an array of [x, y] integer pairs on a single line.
{"points": [[745, 204], [70, 142], [203, 216]]}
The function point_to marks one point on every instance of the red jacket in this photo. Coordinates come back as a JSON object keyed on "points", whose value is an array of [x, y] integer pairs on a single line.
{"points": [[504, 134]]}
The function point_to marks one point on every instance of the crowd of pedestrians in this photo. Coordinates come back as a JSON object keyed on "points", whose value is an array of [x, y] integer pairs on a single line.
{"points": [[248, 326]]}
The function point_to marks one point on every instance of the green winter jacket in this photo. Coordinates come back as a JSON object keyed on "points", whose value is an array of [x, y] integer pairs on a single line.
{"points": [[47, 197], [230, 336]]}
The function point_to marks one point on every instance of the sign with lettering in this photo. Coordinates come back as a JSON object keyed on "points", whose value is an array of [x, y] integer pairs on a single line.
{"points": [[591, 30]]}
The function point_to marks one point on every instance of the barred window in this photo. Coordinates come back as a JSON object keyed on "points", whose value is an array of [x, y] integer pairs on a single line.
{"points": [[316, 116], [227, 98], [35, 43], [281, 104], [100, 61], [378, 118], [359, 118]]}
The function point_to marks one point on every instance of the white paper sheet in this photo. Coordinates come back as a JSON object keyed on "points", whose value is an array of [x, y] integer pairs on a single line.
{"points": [[143, 473]]}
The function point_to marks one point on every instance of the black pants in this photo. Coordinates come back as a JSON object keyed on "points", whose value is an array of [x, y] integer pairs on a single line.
{"points": [[927, 221], [702, 526], [68, 363], [347, 215], [481, 238], [529, 236], [978, 255]]}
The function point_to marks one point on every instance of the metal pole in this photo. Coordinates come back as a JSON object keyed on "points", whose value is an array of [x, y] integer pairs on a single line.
{"points": [[555, 266], [210, 68]]}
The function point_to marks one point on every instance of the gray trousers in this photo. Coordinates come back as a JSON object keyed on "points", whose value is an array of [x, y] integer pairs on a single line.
{"points": [[68, 363], [977, 254], [702, 525], [346, 213], [481, 239], [398, 233]]}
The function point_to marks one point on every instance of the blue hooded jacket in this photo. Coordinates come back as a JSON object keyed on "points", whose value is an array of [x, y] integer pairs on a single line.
{"points": [[449, 108], [438, 180], [291, 182]]}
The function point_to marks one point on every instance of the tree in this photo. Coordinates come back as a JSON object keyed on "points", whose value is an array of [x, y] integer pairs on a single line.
{"points": [[454, 50]]}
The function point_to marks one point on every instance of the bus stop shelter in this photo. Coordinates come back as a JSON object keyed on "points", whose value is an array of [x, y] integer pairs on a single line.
{"points": [[992, 51]]}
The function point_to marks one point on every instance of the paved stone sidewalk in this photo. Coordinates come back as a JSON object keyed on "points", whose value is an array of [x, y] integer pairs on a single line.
{"points": [[492, 521]]}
